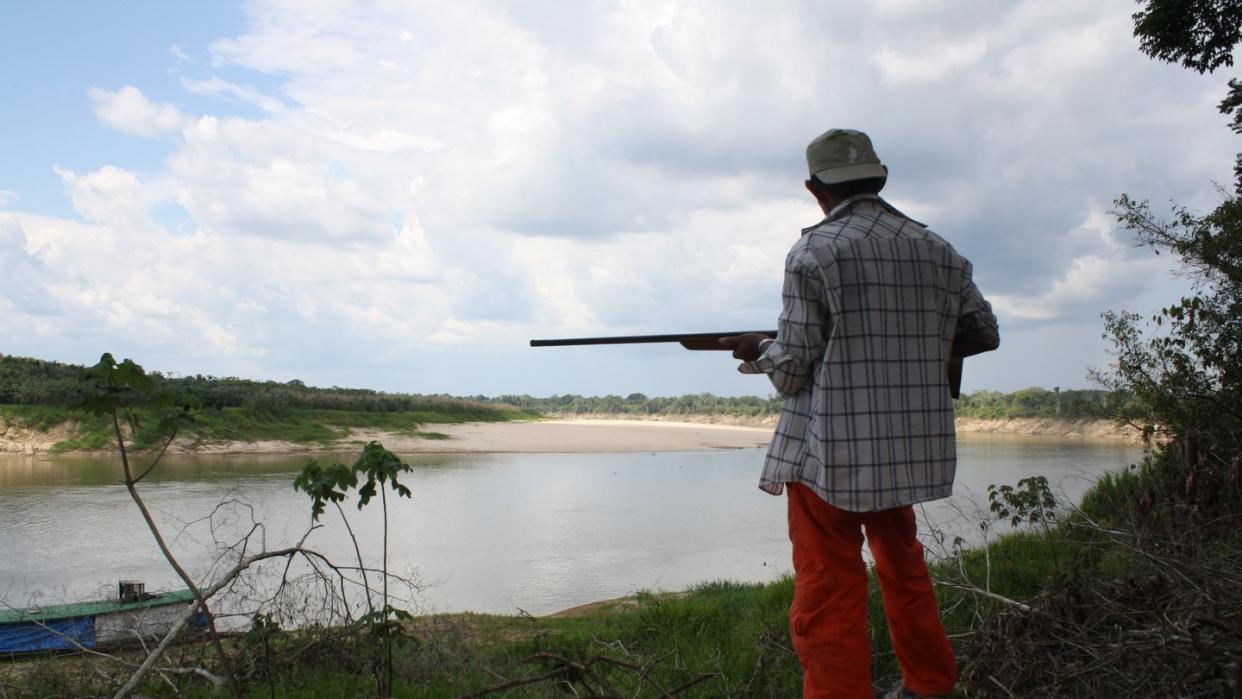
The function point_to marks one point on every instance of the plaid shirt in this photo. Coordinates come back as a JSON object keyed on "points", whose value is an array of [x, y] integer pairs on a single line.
{"points": [[872, 302]]}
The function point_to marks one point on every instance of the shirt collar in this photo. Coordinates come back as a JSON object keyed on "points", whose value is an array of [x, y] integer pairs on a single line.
{"points": [[847, 207]]}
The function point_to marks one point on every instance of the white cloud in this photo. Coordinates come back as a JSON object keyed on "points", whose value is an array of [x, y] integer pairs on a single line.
{"points": [[112, 197], [216, 86], [383, 141], [931, 61], [423, 178], [1084, 285], [1101, 273], [128, 110]]}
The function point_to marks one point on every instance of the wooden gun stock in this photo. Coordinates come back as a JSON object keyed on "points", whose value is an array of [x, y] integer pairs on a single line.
{"points": [[711, 341], [955, 376]]}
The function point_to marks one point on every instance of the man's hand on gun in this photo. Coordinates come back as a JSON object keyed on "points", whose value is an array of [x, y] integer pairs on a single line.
{"points": [[745, 347]]}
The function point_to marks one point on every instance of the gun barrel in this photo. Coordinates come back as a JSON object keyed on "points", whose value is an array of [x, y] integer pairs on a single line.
{"points": [[708, 341], [642, 339]]}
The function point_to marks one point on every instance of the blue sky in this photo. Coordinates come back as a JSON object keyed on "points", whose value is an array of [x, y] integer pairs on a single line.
{"points": [[55, 51], [399, 196]]}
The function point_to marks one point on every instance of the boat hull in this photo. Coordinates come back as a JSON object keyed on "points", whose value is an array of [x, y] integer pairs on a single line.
{"points": [[93, 624]]}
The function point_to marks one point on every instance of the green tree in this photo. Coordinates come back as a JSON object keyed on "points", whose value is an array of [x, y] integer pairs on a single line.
{"points": [[376, 471], [133, 401], [1184, 367], [1201, 36]]}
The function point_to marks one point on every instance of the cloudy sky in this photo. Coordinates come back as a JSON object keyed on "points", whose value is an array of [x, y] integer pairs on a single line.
{"points": [[398, 195]]}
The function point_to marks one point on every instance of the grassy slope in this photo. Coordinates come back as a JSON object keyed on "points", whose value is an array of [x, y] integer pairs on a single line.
{"points": [[736, 632]]}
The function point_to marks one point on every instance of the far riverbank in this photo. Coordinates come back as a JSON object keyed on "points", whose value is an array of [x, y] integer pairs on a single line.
{"points": [[556, 434], [1090, 429]]}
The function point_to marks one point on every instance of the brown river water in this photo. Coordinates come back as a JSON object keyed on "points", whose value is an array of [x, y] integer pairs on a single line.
{"points": [[482, 532]]}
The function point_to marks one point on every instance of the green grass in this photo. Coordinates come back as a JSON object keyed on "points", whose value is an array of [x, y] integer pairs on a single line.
{"points": [[326, 426], [36, 417], [736, 632], [713, 628]]}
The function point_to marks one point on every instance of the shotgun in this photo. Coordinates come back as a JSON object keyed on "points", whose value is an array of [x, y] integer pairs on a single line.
{"points": [[691, 341], [711, 341]]}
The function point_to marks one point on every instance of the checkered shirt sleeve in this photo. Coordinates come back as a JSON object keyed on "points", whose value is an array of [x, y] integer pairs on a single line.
{"points": [[872, 302]]}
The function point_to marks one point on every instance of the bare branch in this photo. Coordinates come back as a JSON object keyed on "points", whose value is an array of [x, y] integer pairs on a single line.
{"points": [[221, 656], [206, 594], [987, 594]]}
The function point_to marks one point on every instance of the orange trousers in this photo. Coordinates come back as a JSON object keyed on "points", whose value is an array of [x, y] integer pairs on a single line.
{"points": [[828, 619]]}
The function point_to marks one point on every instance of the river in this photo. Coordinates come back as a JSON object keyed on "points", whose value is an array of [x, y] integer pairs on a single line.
{"points": [[483, 532]]}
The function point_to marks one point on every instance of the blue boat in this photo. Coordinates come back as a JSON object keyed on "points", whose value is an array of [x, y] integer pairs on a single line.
{"points": [[134, 616]]}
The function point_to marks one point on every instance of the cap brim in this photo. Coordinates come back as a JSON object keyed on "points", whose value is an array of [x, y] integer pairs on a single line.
{"points": [[860, 171]]}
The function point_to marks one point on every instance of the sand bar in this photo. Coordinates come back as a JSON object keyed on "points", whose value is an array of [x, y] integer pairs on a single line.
{"points": [[577, 436], [580, 435], [545, 436]]}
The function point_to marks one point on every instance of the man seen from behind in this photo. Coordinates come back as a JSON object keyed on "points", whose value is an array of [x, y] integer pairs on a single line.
{"points": [[874, 305]]}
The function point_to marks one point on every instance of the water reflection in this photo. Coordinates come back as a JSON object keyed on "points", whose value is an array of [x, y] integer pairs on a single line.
{"points": [[18, 471], [498, 532]]}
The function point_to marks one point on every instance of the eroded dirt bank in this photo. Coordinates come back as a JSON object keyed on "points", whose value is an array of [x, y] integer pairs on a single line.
{"points": [[1094, 429], [15, 439]]}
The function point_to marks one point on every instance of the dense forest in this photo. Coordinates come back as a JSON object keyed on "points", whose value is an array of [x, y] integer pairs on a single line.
{"points": [[25, 381]]}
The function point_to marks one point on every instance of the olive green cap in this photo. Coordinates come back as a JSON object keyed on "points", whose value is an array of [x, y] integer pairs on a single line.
{"points": [[841, 155]]}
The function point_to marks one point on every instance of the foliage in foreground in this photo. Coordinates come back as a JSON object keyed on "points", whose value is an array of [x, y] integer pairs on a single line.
{"points": [[1148, 604], [1142, 603]]}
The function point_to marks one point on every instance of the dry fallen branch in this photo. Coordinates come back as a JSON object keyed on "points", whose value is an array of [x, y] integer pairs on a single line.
{"points": [[553, 674], [971, 589], [591, 676], [205, 594]]}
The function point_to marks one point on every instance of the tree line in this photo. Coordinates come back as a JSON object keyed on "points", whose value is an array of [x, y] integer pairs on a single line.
{"points": [[1071, 404], [27, 381]]}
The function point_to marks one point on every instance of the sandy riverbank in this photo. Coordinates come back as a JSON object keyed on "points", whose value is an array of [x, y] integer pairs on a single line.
{"points": [[569, 434]]}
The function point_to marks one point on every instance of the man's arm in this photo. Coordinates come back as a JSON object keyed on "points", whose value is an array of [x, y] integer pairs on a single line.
{"points": [[799, 342], [977, 330]]}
